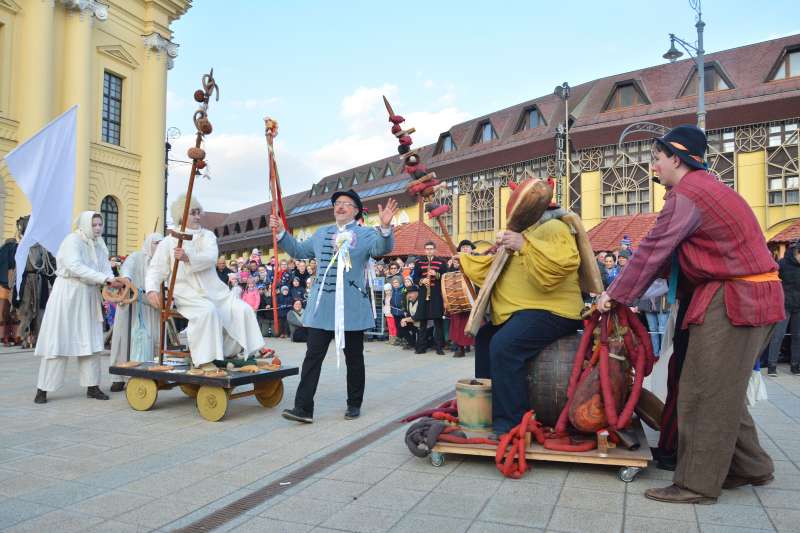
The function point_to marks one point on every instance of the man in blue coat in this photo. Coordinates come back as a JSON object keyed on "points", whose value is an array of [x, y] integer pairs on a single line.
{"points": [[339, 307]]}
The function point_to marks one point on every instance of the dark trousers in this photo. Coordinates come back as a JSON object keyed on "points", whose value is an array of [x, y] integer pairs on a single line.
{"points": [[438, 335], [668, 438], [316, 348], [407, 333], [775, 342], [502, 353]]}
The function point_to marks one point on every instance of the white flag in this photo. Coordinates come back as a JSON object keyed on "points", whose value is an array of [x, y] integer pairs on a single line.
{"points": [[44, 168]]}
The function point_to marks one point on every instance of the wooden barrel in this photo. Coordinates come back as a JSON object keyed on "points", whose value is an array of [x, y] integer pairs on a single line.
{"points": [[474, 400], [548, 378]]}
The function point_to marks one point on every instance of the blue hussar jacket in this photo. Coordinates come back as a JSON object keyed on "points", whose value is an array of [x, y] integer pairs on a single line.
{"points": [[369, 242]]}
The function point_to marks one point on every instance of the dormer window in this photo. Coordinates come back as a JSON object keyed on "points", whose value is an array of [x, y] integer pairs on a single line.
{"points": [[225, 231], [530, 119], [388, 172], [262, 222], [327, 187], [237, 228], [484, 133], [371, 175], [625, 94], [714, 80], [788, 66], [445, 144], [249, 226], [339, 183]]}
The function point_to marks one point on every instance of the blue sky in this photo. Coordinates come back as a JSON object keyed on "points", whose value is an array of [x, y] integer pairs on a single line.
{"points": [[319, 68]]}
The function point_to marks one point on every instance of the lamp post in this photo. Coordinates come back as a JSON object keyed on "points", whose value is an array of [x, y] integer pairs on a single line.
{"points": [[562, 91], [673, 53]]}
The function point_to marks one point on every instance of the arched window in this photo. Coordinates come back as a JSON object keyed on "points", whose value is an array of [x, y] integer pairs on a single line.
{"points": [[110, 212]]}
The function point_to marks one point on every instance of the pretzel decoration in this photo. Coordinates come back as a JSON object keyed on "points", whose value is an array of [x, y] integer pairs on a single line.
{"points": [[125, 295]]}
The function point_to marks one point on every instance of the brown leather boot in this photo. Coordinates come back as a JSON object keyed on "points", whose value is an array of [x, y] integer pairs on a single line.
{"points": [[676, 494]]}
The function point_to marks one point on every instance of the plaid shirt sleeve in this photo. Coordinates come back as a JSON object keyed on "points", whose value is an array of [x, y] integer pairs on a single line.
{"points": [[679, 218]]}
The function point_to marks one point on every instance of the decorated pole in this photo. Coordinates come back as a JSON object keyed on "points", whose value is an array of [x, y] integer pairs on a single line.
{"points": [[271, 130], [198, 156]]}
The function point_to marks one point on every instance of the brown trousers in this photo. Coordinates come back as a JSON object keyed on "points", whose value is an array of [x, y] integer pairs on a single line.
{"points": [[716, 435]]}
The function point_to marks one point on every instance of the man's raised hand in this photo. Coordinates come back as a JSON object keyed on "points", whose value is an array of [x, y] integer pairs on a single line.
{"points": [[386, 214]]}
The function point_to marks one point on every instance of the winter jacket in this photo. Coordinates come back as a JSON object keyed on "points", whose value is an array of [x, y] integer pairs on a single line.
{"points": [[789, 272]]}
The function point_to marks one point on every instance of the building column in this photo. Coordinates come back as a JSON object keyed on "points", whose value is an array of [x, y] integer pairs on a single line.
{"points": [[78, 54], [35, 83], [152, 187]]}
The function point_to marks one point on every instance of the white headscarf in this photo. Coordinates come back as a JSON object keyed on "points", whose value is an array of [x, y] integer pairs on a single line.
{"points": [[83, 228], [147, 247]]}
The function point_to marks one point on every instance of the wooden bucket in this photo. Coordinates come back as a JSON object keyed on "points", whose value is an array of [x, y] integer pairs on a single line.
{"points": [[474, 404], [548, 378]]}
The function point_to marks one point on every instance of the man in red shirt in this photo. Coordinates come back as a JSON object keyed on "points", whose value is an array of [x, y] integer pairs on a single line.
{"points": [[737, 298]]}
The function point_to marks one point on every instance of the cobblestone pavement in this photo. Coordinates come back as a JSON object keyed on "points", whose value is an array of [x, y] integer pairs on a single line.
{"points": [[76, 464]]}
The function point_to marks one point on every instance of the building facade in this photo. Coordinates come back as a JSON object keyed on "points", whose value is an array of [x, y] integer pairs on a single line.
{"points": [[111, 59], [753, 118]]}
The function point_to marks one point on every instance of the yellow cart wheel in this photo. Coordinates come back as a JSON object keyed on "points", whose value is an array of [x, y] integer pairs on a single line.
{"points": [[212, 402], [141, 393], [189, 389], [269, 394]]}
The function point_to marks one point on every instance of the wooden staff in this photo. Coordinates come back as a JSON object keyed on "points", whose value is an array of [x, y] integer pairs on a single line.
{"points": [[197, 155], [271, 130]]}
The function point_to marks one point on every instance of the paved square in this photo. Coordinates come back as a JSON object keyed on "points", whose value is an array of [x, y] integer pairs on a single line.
{"points": [[83, 465]]}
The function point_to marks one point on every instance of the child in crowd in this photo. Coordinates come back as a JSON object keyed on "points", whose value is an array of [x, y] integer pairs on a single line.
{"points": [[391, 327], [284, 305], [251, 295], [397, 304], [309, 283], [297, 292], [264, 313]]}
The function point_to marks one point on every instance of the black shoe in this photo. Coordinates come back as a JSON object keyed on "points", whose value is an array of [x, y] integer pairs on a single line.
{"points": [[352, 413], [297, 416], [772, 371], [439, 351], [117, 386], [459, 353], [667, 462], [41, 396], [419, 352], [795, 369], [96, 393]]}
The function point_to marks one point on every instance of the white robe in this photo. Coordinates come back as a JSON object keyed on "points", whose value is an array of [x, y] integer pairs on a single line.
{"points": [[73, 319], [135, 269], [211, 308]]}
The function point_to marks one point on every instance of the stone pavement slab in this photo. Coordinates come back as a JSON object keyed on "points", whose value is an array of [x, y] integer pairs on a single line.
{"points": [[83, 465]]}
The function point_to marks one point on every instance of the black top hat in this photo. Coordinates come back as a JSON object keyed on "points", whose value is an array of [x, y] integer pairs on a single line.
{"points": [[353, 195], [466, 242], [688, 143], [413, 288]]}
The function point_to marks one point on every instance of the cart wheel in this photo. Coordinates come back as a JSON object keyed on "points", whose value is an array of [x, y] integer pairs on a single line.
{"points": [[189, 389], [437, 459], [141, 393], [270, 393], [212, 402], [628, 473]]}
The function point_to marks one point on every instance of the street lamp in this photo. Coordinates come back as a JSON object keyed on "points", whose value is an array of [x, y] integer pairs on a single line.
{"points": [[673, 53], [563, 91]]}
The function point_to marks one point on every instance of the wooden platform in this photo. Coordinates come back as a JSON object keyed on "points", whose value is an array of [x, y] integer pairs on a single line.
{"points": [[212, 394], [631, 461]]}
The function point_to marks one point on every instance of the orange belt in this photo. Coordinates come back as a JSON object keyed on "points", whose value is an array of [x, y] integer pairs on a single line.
{"points": [[759, 278]]}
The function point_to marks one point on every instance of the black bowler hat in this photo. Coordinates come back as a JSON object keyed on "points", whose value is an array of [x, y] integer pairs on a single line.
{"points": [[687, 142], [353, 195], [413, 288], [466, 242]]}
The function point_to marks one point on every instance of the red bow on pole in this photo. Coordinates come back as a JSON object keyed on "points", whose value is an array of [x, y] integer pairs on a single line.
{"points": [[271, 130]]}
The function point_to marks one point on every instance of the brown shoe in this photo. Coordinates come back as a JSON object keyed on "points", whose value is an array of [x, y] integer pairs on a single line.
{"points": [[676, 494], [731, 482]]}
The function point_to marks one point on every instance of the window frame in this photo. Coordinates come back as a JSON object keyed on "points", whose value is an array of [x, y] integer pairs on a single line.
{"points": [[480, 130], [107, 120], [613, 98], [786, 62], [110, 221]]}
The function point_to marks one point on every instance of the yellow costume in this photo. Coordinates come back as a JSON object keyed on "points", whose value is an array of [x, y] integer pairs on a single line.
{"points": [[542, 275]]}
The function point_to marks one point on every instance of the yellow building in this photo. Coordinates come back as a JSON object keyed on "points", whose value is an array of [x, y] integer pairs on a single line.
{"points": [[111, 58], [753, 118]]}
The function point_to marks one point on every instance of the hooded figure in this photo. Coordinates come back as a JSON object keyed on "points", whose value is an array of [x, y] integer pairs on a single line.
{"points": [[145, 315], [220, 323], [72, 325]]}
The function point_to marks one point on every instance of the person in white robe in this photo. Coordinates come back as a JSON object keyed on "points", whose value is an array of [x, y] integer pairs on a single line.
{"points": [[144, 315], [72, 326], [220, 323]]}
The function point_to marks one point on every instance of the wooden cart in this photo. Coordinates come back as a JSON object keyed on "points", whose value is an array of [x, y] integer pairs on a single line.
{"points": [[631, 462], [212, 394]]}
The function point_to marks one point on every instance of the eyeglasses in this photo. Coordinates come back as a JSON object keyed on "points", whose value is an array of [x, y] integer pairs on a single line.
{"points": [[343, 204]]}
